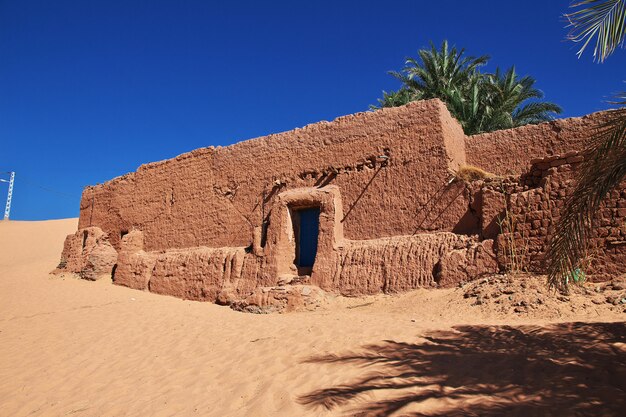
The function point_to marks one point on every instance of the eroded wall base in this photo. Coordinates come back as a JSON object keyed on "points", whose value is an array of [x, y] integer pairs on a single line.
{"points": [[89, 254], [359, 267]]}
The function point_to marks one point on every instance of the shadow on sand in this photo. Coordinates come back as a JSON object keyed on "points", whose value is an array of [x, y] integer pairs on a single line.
{"points": [[568, 369]]}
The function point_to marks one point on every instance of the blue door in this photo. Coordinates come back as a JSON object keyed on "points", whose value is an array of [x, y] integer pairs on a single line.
{"points": [[306, 245]]}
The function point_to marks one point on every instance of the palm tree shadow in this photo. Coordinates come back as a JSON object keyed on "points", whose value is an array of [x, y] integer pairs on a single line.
{"points": [[568, 369]]}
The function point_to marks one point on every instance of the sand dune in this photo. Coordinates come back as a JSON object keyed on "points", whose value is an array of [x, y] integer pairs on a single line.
{"points": [[75, 348]]}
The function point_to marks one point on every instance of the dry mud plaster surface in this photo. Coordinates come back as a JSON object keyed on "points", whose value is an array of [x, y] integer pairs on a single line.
{"points": [[216, 223]]}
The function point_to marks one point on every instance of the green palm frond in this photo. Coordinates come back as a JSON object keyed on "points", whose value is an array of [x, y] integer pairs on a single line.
{"points": [[535, 112], [395, 99], [603, 169], [602, 20], [407, 81], [508, 100]]}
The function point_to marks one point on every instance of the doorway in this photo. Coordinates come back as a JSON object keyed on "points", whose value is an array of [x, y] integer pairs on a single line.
{"points": [[306, 223]]}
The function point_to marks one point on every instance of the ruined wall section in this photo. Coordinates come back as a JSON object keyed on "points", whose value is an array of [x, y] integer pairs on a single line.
{"points": [[88, 254], [508, 152], [215, 197], [528, 211]]}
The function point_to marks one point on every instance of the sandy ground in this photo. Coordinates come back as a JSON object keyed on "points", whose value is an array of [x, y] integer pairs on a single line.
{"points": [[76, 348]]}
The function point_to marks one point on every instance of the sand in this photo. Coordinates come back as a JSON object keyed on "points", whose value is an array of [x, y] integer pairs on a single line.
{"points": [[70, 347]]}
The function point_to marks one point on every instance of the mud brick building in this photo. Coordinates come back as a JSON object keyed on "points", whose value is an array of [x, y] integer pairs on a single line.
{"points": [[364, 204]]}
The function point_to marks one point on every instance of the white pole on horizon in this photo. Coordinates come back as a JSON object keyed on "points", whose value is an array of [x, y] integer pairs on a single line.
{"points": [[7, 209]]}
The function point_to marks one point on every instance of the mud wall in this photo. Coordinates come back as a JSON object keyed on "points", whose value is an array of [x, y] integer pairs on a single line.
{"points": [[214, 224], [407, 262], [509, 152], [528, 211], [375, 266], [215, 197]]}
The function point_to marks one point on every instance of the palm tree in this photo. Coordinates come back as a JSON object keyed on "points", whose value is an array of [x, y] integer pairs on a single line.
{"points": [[508, 95], [480, 102], [604, 167], [440, 72], [471, 107], [500, 101]]}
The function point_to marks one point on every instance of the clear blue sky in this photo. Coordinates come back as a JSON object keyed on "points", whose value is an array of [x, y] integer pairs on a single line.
{"points": [[90, 90]]}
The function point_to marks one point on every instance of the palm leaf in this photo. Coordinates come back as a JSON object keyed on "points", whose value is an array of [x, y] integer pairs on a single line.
{"points": [[395, 99], [602, 20], [535, 112], [603, 169]]}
